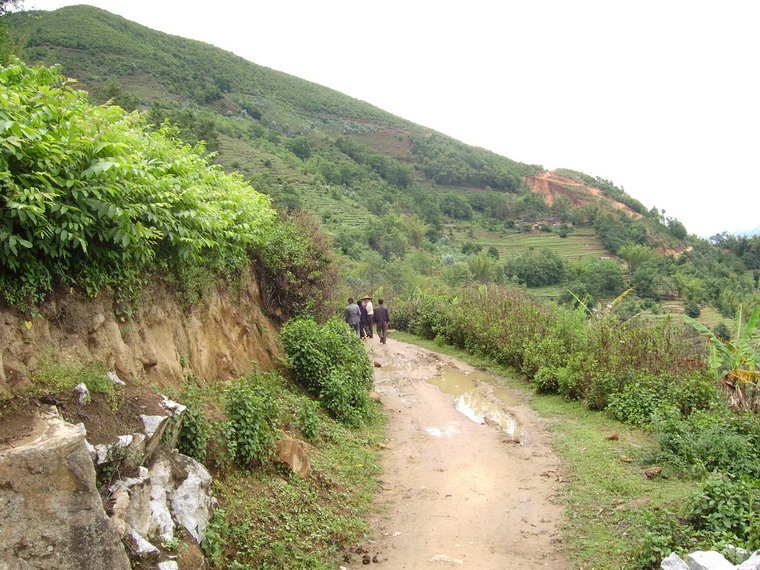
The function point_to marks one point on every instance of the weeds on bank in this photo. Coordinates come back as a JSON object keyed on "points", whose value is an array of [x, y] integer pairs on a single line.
{"points": [[55, 376]]}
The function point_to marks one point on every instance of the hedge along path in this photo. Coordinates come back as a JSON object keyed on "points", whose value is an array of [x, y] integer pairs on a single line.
{"points": [[455, 491]]}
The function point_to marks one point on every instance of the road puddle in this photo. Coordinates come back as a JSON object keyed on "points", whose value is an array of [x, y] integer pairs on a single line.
{"points": [[479, 397]]}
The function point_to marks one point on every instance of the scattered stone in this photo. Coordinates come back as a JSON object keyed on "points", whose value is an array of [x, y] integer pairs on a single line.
{"points": [[377, 364], [141, 548], [366, 559], [52, 514], [192, 503], [626, 458], [653, 471], [84, 394], [708, 560], [168, 565], [446, 560], [191, 556], [115, 379], [153, 424], [176, 413], [612, 437]]}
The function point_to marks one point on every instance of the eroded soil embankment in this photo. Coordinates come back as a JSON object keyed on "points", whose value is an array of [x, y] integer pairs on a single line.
{"points": [[456, 491]]}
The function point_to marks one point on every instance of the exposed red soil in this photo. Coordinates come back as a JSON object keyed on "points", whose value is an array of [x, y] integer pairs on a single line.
{"points": [[551, 186]]}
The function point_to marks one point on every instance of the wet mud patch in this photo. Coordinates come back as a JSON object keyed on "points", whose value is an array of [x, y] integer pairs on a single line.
{"points": [[479, 397]]}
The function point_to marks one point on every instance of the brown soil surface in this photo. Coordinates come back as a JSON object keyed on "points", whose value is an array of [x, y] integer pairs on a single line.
{"points": [[104, 418], [456, 492]]}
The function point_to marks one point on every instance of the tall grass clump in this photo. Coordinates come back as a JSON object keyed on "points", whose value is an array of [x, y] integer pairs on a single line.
{"points": [[330, 362]]}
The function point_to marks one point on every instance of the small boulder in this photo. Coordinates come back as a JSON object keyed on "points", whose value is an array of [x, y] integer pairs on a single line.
{"points": [[290, 452]]}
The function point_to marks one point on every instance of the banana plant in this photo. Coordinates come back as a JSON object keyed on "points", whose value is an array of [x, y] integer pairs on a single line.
{"points": [[740, 356], [736, 363]]}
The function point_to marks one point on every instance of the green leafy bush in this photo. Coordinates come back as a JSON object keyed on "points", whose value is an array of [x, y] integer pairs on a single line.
{"points": [[196, 429], [249, 430], [706, 441], [692, 309], [329, 360], [298, 272], [728, 507], [308, 421], [662, 532], [88, 191], [637, 402]]}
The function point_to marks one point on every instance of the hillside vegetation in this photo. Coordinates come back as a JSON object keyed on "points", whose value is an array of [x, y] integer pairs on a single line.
{"points": [[453, 236], [387, 189]]}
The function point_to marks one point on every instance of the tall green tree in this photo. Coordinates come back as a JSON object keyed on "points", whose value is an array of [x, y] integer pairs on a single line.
{"points": [[635, 254]]}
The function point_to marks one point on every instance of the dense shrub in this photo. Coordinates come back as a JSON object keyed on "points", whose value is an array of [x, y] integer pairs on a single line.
{"points": [[330, 362], [90, 194], [536, 268], [250, 427], [196, 430], [692, 309], [298, 271], [638, 400], [706, 441], [728, 507]]}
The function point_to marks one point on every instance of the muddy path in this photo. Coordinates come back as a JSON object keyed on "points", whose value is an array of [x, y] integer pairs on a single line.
{"points": [[469, 478]]}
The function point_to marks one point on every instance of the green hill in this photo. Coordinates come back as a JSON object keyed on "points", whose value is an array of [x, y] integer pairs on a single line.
{"points": [[359, 168]]}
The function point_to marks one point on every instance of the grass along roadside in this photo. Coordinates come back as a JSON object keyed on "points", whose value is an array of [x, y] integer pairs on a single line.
{"points": [[606, 494], [268, 517]]}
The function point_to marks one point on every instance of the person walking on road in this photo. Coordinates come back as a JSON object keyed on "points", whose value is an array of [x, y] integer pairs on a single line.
{"points": [[382, 320], [363, 319], [370, 315], [353, 316]]}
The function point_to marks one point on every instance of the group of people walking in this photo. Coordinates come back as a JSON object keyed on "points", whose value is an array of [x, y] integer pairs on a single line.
{"points": [[363, 315]]}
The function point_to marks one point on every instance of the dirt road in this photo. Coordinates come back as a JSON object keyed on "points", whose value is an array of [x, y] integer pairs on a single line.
{"points": [[469, 476]]}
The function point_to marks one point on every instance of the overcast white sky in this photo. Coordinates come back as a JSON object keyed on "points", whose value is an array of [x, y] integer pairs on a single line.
{"points": [[662, 97]]}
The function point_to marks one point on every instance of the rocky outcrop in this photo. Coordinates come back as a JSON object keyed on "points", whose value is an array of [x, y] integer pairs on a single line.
{"points": [[217, 338], [52, 515], [174, 492]]}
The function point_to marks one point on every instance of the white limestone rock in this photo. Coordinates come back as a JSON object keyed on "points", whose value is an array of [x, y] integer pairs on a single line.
{"points": [[84, 394], [673, 562], [708, 560], [753, 563]]}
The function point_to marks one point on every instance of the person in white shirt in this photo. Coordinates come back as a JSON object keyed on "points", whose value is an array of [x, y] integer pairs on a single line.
{"points": [[370, 315]]}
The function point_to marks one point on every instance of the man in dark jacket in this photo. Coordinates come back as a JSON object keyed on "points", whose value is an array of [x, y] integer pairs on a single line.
{"points": [[382, 319], [353, 315]]}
